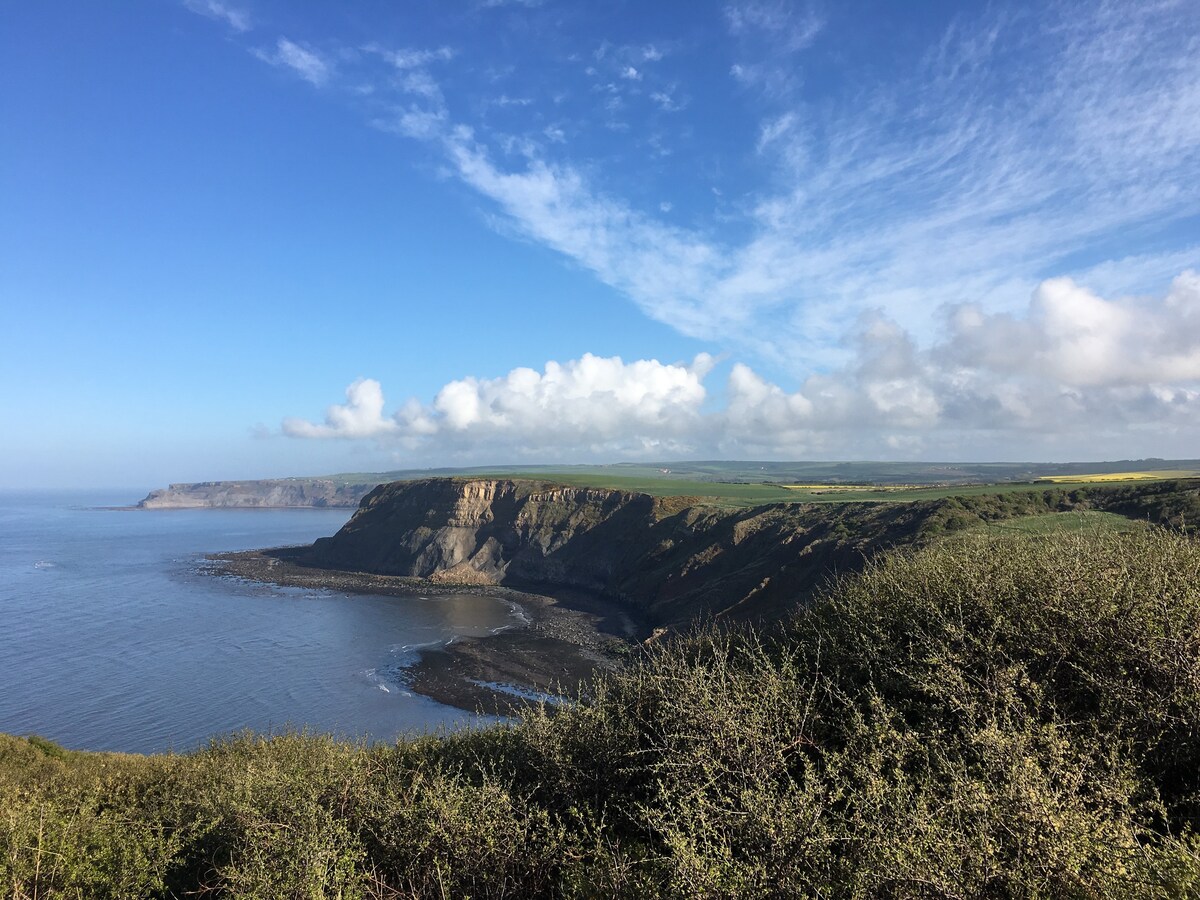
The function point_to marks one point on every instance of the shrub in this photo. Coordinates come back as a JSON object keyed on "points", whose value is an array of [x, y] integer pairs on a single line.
{"points": [[988, 717]]}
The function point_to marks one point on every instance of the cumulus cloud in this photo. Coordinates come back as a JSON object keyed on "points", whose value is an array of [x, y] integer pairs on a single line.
{"points": [[361, 416], [1073, 368], [1079, 339], [591, 402], [305, 62]]}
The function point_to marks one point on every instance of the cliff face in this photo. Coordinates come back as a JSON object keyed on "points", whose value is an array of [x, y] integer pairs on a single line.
{"points": [[308, 492], [667, 561]]}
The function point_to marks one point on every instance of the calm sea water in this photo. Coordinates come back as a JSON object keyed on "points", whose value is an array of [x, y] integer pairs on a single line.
{"points": [[111, 637]]}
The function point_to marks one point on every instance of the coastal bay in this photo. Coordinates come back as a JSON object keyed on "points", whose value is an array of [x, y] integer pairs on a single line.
{"points": [[551, 649], [116, 637]]}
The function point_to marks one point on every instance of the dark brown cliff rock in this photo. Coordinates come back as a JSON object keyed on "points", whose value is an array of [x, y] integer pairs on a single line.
{"points": [[667, 562]]}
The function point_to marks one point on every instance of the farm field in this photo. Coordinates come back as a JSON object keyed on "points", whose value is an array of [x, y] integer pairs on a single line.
{"points": [[1111, 477]]}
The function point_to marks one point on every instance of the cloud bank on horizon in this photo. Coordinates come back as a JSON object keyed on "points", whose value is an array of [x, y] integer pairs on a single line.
{"points": [[971, 236], [1088, 366]]}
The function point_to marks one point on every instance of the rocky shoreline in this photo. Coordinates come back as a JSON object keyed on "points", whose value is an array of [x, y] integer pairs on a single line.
{"points": [[563, 640]]}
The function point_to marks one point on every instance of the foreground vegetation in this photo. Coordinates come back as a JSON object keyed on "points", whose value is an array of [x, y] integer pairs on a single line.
{"points": [[1001, 715]]}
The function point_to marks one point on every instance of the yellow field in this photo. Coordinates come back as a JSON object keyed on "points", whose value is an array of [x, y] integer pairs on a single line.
{"points": [[1118, 476]]}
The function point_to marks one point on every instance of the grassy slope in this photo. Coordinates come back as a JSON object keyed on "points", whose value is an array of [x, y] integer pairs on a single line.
{"points": [[1006, 716]]}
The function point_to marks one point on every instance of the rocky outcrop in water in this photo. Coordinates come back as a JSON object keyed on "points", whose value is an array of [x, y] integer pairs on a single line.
{"points": [[284, 492]]}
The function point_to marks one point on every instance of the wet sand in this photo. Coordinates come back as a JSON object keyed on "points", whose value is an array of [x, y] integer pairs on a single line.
{"points": [[566, 636]]}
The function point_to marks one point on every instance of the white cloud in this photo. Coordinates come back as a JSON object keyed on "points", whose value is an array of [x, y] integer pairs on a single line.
{"points": [[789, 25], [305, 62], [592, 402], [421, 83], [235, 18], [666, 268], [917, 195], [409, 58], [1081, 340], [773, 129], [884, 215], [1086, 372], [666, 101], [361, 416]]}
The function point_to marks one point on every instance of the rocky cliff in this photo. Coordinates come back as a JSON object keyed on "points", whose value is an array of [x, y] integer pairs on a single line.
{"points": [[666, 560], [300, 492]]}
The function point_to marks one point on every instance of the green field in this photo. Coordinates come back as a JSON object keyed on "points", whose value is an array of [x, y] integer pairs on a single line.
{"points": [[756, 483], [1088, 520]]}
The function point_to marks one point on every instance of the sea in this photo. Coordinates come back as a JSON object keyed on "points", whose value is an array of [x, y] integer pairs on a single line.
{"points": [[115, 635]]}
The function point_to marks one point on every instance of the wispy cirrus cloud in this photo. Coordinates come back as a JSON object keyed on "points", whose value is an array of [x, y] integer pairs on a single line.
{"points": [[237, 19], [787, 26], [409, 58], [304, 61], [971, 179]]}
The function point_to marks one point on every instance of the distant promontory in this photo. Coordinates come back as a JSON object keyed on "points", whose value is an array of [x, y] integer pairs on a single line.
{"points": [[272, 493]]}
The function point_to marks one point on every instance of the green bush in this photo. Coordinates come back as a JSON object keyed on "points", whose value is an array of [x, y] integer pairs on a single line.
{"points": [[992, 716]]}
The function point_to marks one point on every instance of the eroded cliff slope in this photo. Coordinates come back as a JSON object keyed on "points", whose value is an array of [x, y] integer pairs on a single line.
{"points": [[668, 561]]}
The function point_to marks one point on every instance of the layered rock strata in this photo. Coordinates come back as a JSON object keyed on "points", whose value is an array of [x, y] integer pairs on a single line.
{"points": [[668, 560]]}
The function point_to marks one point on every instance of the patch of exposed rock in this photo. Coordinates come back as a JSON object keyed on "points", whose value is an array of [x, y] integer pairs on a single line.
{"points": [[668, 562]]}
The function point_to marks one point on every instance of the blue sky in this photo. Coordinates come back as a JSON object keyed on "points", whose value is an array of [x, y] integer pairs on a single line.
{"points": [[251, 239]]}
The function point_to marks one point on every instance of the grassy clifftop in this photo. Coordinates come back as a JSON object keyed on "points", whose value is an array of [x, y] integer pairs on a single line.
{"points": [[999, 715]]}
